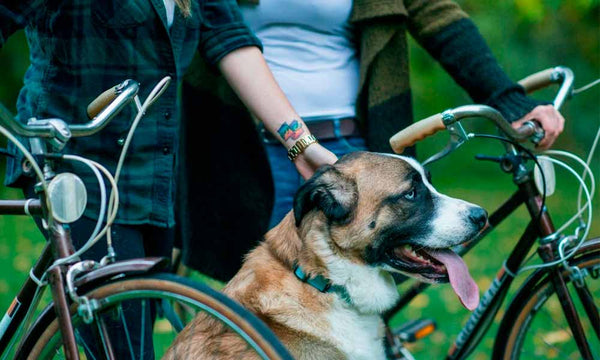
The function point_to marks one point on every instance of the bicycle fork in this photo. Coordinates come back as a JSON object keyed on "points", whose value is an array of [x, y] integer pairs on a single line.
{"points": [[547, 253]]}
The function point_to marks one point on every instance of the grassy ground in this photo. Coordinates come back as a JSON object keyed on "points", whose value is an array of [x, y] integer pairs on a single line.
{"points": [[460, 176]]}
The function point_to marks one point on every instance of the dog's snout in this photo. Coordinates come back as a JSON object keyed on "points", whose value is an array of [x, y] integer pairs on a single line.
{"points": [[478, 216]]}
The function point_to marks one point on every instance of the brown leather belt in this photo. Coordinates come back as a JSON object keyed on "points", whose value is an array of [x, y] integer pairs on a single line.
{"points": [[323, 129]]}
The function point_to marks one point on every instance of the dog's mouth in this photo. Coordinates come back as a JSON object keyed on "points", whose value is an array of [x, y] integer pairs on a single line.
{"points": [[436, 265], [408, 258]]}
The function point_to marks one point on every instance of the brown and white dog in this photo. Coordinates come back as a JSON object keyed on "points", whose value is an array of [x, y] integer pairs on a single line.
{"points": [[353, 224]]}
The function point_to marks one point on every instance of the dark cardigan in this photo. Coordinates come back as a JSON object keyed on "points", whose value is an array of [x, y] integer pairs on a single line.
{"points": [[223, 213]]}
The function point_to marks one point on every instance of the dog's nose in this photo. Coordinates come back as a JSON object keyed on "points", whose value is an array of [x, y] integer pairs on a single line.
{"points": [[478, 216]]}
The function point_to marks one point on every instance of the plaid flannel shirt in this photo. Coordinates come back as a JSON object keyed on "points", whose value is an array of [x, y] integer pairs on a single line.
{"points": [[79, 48]]}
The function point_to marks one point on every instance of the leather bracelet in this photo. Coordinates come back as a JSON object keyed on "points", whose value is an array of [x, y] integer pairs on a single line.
{"points": [[300, 146]]}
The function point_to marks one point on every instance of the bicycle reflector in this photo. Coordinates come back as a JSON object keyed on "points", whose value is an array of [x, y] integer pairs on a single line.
{"points": [[68, 197], [415, 330], [549, 176]]}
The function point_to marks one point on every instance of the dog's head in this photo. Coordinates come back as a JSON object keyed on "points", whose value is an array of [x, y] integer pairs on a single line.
{"points": [[382, 211]]}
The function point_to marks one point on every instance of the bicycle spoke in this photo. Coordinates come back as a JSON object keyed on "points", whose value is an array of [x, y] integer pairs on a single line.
{"points": [[83, 343], [560, 329], [127, 335], [117, 325], [104, 338], [542, 329], [552, 320], [554, 347], [171, 315], [142, 338]]}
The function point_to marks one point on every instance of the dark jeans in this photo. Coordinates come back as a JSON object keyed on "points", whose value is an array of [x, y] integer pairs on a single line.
{"points": [[129, 242], [286, 178]]}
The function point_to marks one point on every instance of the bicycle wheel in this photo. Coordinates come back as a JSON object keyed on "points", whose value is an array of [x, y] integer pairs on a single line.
{"points": [[535, 326], [173, 300]]}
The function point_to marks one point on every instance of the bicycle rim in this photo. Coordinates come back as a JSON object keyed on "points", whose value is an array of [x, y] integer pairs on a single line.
{"points": [[539, 327], [174, 301]]}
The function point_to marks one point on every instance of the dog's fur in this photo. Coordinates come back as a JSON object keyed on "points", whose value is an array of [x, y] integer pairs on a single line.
{"points": [[347, 221]]}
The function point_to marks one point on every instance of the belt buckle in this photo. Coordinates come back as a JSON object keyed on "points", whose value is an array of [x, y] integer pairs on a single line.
{"points": [[337, 130], [336, 125]]}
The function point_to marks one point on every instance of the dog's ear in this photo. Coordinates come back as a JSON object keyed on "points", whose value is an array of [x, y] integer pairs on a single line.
{"points": [[329, 191]]}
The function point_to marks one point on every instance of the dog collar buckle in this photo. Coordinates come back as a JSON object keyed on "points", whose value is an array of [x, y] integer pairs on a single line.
{"points": [[321, 283], [318, 282], [300, 274]]}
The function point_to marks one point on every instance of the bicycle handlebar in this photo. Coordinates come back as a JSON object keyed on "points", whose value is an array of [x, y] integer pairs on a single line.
{"points": [[537, 81], [435, 123], [124, 93], [40, 130], [101, 101], [544, 78], [109, 102], [417, 132]]}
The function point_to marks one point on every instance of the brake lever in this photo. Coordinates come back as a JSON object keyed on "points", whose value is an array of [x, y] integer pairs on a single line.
{"points": [[458, 136]]}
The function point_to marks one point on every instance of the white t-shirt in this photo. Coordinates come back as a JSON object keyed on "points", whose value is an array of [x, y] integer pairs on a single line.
{"points": [[310, 48], [170, 7]]}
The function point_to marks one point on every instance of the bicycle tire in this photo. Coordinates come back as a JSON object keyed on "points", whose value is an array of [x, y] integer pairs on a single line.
{"points": [[43, 341], [534, 326]]}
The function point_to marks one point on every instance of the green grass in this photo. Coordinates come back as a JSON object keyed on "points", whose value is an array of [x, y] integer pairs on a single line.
{"points": [[459, 176], [563, 34]]}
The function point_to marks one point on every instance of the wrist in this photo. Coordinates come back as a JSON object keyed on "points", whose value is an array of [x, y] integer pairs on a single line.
{"points": [[299, 146], [513, 103]]}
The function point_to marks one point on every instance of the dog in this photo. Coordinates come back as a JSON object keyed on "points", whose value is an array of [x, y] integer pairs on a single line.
{"points": [[322, 278]]}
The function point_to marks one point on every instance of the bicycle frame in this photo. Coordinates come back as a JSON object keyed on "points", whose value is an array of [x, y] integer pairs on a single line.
{"points": [[59, 244], [491, 301], [22, 302]]}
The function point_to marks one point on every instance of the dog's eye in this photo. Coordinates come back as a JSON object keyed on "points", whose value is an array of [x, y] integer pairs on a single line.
{"points": [[411, 194]]}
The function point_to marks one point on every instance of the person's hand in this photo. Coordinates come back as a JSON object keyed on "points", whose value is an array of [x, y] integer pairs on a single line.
{"points": [[551, 120], [312, 158]]}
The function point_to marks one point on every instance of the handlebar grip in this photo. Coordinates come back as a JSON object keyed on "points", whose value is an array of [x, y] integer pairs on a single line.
{"points": [[99, 103], [416, 132], [539, 80]]}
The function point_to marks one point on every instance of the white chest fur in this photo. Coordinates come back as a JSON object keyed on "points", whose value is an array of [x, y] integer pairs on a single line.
{"points": [[371, 289], [358, 336], [357, 329]]}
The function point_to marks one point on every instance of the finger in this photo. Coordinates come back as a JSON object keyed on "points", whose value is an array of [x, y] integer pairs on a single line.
{"points": [[544, 144], [520, 122], [548, 140], [561, 122]]}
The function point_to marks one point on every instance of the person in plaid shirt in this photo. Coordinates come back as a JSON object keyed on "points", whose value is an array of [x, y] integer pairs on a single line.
{"points": [[79, 48]]}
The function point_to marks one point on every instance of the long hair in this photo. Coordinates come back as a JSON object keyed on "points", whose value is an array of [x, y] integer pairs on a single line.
{"points": [[185, 6]]}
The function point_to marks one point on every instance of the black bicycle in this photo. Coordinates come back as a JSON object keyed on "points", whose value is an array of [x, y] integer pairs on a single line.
{"points": [[566, 278], [97, 304]]}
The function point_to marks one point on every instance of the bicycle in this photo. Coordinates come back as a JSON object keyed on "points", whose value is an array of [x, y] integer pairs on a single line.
{"points": [[88, 297], [569, 274]]}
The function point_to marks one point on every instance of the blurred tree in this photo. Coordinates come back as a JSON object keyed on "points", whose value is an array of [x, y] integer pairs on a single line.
{"points": [[14, 60], [526, 36]]}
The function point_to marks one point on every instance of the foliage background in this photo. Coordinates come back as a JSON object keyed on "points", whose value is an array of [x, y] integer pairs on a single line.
{"points": [[526, 36]]}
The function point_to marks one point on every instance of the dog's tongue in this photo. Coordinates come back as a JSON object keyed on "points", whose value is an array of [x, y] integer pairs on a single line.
{"points": [[463, 284]]}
